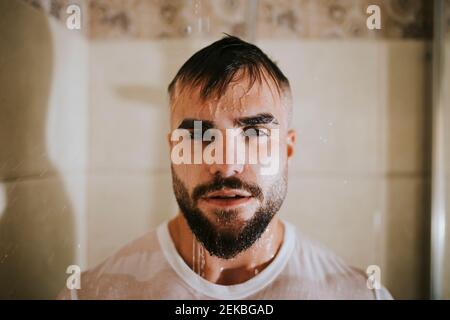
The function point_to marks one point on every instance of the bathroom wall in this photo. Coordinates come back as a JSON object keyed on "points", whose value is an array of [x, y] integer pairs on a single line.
{"points": [[360, 177]]}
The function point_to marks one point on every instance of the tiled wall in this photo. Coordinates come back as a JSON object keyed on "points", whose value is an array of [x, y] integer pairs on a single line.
{"points": [[360, 176]]}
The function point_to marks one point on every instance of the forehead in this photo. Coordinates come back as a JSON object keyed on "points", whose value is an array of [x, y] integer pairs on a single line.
{"points": [[239, 100]]}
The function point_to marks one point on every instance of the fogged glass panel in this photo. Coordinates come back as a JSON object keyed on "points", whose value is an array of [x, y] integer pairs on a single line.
{"points": [[90, 181]]}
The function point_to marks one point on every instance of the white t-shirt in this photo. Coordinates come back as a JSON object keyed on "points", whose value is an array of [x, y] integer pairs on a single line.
{"points": [[151, 268]]}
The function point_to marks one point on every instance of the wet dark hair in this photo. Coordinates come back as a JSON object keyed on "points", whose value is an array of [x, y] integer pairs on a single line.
{"points": [[215, 66]]}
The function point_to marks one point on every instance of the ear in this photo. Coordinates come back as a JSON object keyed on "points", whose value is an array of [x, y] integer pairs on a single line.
{"points": [[291, 138], [169, 141]]}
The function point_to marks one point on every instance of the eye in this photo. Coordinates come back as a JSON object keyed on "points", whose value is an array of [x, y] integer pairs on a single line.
{"points": [[204, 137], [195, 135], [208, 136], [256, 132]]}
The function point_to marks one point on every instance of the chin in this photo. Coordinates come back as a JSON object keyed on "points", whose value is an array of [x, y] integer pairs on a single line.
{"points": [[233, 218]]}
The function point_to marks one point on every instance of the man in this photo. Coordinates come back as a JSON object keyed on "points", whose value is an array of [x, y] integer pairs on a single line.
{"points": [[230, 142]]}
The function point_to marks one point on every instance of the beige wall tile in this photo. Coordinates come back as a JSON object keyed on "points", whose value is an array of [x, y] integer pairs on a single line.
{"points": [[336, 103], [339, 212], [121, 207], [129, 117], [408, 105], [407, 237]]}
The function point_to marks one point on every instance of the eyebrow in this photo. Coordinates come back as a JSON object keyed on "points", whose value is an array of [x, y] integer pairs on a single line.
{"points": [[260, 118], [189, 124]]}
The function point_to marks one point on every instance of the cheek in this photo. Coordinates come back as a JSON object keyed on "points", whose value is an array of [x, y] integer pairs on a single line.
{"points": [[266, 182], [283, 151], [270, 153], [190, 174]]}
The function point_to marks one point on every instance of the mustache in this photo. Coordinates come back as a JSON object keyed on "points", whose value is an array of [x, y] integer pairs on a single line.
{"points": [[220, 183]]}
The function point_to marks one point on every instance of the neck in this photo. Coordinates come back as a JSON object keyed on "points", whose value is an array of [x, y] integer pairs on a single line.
{"points": [[226, 271]]}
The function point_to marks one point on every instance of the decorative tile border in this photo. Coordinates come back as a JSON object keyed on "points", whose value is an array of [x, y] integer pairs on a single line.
{"points": [[55, 8], [156, 19], [345, 18]]}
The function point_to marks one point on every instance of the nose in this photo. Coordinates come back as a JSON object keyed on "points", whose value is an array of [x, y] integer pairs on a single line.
{"points": [[226, 170], [230, 165]]}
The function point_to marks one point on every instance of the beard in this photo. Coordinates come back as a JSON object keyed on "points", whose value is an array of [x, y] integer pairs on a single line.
{"points": [[222, 240]]}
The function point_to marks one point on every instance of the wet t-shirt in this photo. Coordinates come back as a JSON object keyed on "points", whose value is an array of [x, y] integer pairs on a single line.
{"points": [[151, 268]]}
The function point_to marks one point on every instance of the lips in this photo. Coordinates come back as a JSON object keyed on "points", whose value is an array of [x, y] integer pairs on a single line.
{"points": [[227, 198]]}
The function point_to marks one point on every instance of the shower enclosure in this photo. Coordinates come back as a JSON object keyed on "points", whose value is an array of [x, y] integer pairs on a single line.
{"points": [[84, 165]]}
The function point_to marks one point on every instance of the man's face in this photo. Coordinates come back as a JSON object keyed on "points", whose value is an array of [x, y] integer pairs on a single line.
{"points": [[228, 205]]}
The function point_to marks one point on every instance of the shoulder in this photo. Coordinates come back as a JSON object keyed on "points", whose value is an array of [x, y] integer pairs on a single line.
{"points": [[124, 271], [327, 275]]}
